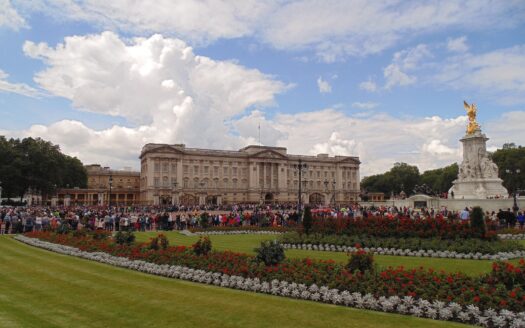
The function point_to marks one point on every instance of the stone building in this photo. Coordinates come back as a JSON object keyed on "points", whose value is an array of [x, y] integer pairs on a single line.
{"points": [[175, 174], [124, 188]]}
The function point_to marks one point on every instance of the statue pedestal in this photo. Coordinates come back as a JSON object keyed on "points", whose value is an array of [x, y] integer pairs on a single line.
{"points": [[478, 175], [479, 189]]}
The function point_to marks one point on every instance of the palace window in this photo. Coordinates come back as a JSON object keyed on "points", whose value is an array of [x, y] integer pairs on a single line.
{"points": [[156, 182], [156, 167], [165, 167]]}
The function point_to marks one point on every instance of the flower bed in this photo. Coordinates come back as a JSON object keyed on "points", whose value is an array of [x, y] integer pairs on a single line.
{"points": [[512, 236], [238, 232], [432, 247], [403, 227], [223, 230], [501, 256], [392, 296]]}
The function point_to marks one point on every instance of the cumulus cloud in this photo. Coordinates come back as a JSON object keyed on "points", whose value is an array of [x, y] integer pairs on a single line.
{"points": [[379, 140], [332, 29], [324, 86], [168, 93], [18, 88], [365, 105], [9, 17], [457, 44]]}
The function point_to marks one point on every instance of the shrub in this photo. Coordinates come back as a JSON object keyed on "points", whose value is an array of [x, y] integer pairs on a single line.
{"points": [[80, 233], [270, 252], [164, 242], [477, 221], [360, 261], [124, 237], [202, 246], [307, 220], [204, 220], [154, 243], [101, 235], [63, 229]]}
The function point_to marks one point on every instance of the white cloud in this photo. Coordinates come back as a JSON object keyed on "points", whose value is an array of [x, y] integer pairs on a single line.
{"points": [[365, 105], [18, 88], [337, 29], [369, 86], [395, 77], [193, 20], [9, 17], [324, 86], [379, 140], [405, 61], [436, 148], [457, 44], [498, 74], [332, 29], [159, 84]]}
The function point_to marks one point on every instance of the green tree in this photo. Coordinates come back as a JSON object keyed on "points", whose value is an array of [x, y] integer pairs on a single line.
{"points": [[37, 165], [400, 177], [440, 180], [477, 221], [511, 158]]}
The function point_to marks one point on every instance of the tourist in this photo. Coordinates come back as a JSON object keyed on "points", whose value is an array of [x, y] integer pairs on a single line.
{"points": [[464, 215], [521, 219]]}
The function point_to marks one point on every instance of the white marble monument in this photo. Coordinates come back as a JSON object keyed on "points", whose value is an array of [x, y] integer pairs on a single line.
{"points": [[478, 175]]}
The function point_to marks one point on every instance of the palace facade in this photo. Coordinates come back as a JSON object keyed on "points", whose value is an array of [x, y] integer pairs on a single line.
{"points": [[124, 188], [175, 174]]}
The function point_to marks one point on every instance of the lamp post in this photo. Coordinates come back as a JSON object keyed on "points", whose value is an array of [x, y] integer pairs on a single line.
{"points": [[110, 186], [174, 190], [0, 192], [326, 183], [300, 167], [515, 207]]}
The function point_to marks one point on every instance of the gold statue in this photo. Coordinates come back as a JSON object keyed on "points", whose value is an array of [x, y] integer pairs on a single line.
{"points": [[472, 126]]}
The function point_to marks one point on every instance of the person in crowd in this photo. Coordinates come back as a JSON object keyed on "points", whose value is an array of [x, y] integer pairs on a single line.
{"points": [[521, 219]]}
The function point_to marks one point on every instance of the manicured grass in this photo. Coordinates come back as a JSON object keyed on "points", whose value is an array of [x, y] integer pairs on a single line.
{"points": [[246, 244], [43, 289]]}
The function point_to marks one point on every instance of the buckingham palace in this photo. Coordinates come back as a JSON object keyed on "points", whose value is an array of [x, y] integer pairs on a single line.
{"points": [[175, 174]]}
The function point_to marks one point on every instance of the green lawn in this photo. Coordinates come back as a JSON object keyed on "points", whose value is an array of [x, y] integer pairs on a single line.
{"points": [[43, 289], [246, 244]]}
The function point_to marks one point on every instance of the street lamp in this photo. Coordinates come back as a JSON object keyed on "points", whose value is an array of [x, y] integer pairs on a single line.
{"points": [[326, 183], [0, 192], [110, 185], [300, 167], [174, 187], [515, 208]]}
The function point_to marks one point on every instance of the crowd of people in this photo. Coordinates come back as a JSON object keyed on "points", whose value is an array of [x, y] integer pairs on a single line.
{"points": [[147, 218]]}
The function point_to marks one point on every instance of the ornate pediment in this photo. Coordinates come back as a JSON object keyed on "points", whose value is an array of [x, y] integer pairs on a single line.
{"points": [[352, 160], [160, 149], [269, 154]]}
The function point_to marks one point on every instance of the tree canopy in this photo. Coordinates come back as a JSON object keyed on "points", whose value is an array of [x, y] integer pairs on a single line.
{"points": [[509, 159], [38, 165], [401, 177]]}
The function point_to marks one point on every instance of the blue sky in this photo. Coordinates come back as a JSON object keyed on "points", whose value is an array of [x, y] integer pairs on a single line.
{"points": [[382, 80]]}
